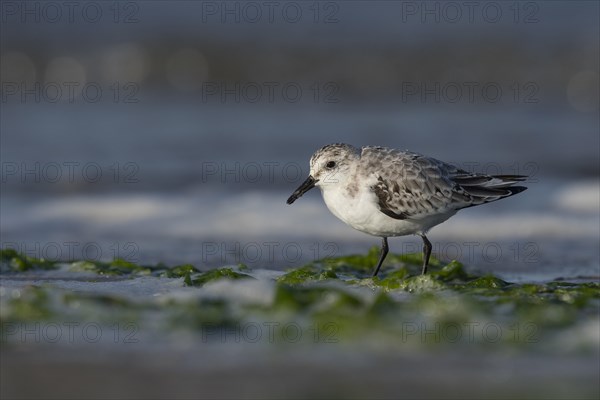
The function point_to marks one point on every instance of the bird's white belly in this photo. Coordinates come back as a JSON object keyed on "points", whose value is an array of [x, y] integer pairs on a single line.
{"points": [[362, 213]]}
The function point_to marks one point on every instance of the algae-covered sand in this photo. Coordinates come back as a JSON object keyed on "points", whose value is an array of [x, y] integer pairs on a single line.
{"points": [[327, 328]]}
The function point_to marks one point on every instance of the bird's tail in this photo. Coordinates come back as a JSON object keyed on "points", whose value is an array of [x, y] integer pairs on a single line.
{"points": [[487, 188]]}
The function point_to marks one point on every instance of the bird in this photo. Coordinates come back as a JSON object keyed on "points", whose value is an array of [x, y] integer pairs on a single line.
{"points": [[387, 192]]}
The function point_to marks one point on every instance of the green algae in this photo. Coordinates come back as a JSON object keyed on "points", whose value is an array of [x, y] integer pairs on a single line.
{"points": [[12, 261], [336, 298], [361, 266], [308, 273], [446, 298], [184, 271], [15, 262], [487, 282], [213, 313], [180, 271], [215, 274], [452, 272], [30, 303], [421, 283], [392, 280], [116, 267], [357, 269], [320, 298]]}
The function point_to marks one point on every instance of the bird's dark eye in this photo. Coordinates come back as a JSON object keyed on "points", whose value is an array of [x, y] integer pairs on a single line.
{"points": [[330, 164]]}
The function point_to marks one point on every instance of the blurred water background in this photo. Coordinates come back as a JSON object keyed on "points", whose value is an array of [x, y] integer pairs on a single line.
{"points": [[174, 132]]}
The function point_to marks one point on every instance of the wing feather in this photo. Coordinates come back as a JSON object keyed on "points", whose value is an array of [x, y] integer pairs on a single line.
{"points": [[413, 186]]}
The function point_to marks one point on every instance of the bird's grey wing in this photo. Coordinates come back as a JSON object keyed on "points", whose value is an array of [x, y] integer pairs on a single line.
{"points": [[412, 186]]}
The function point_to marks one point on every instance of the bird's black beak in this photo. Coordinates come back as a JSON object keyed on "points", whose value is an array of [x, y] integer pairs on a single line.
{"points": [[308, 184]]}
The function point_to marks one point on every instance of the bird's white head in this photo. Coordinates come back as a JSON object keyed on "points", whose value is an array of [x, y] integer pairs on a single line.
{"points": [[330, 166]]}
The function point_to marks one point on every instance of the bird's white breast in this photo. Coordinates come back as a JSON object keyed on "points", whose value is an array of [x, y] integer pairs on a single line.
{"points": [[361, 211]]}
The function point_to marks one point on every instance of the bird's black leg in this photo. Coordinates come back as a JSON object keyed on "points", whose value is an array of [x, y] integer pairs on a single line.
{"points": [[384, 251], [426, 253]]}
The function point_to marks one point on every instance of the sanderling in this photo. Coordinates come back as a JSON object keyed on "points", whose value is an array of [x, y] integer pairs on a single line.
{"points": [[386, 192]]}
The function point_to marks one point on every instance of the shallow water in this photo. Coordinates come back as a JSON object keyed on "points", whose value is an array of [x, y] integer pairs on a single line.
{"points": [[539, 233], [397, 331]]}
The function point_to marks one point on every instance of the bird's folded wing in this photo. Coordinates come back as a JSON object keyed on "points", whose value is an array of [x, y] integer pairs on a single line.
{"points": [[415, 187]]}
